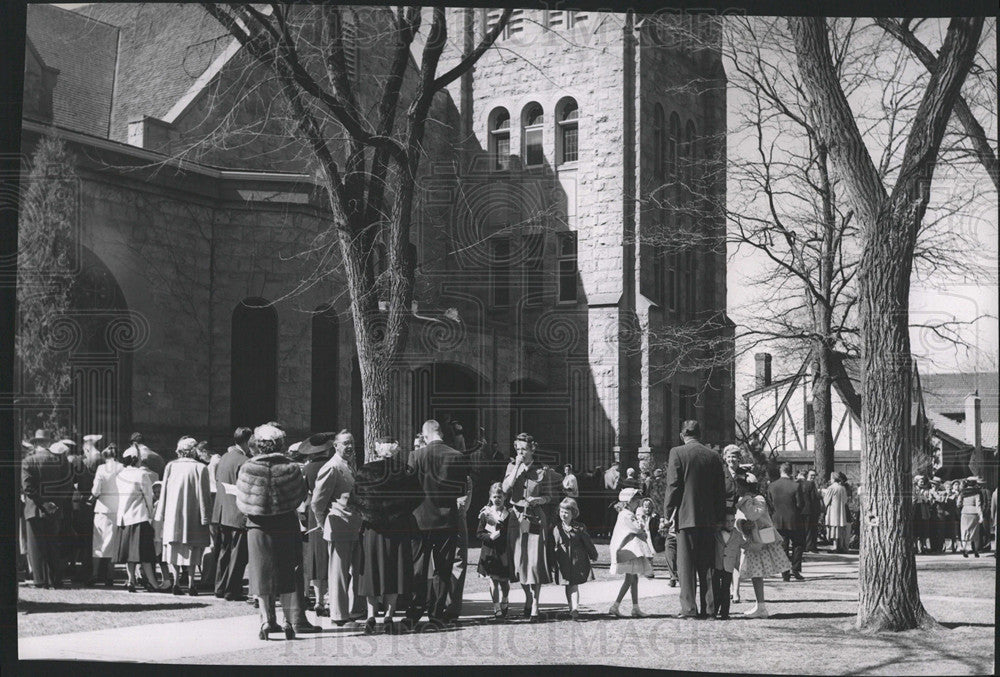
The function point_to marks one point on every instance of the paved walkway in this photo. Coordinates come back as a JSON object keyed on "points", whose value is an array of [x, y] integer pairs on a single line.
{"points": [[172, 641], [191, 639]]}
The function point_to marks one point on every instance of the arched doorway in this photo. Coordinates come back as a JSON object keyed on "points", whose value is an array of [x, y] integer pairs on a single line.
{"points": [[447, 391], [543, 415], [325, 366], [101, 357], [254, 363]]}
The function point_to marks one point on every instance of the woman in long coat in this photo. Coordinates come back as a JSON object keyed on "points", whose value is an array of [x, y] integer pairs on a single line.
{"points": [[269, 489], [386, 492], [835, 498], [921, 513], [315, 558], [185, 509], [971, 506], [534, 493], [105, 494]]}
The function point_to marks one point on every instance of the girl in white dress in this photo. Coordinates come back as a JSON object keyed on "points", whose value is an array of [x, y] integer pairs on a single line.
{"points": [[631, 553], [763, 554]]}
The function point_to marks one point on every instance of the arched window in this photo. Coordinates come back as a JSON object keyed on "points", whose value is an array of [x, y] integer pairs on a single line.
{"points": [[254, 363], [659, 141], [673, 140], [532, 121], [499, 141], [325, 370], [690, 158], [568, 131]]}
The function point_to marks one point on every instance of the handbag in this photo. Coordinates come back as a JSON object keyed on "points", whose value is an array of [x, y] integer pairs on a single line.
{"points": [[766, 535]]}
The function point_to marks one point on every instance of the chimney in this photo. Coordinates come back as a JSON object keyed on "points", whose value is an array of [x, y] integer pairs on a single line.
{"points": [[763, 369], [973, 421]]}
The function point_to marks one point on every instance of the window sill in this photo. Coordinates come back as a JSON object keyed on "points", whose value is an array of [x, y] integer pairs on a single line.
{"points": [[568, 166]]}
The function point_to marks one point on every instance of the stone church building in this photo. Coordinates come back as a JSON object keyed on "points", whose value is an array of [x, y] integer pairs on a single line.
{"points": [[205, 302]]}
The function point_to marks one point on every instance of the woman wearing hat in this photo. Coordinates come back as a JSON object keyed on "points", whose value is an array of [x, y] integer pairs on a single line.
{"points": [[386, 492], [835, 499], [315, 451], [269, 489], [971, 506], [534, 493], [185, 509], [133, 542], [921, 512], [104, 492]]}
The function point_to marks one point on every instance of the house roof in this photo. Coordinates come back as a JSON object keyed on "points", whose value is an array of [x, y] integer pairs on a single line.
{"points": [[946, 393], [84, 51], [164, 48]]}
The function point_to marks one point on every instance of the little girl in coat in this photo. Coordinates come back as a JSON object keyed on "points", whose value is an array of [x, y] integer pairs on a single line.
{"points": [[759, 559], [573, 553], [631, 554], [494, 557]]}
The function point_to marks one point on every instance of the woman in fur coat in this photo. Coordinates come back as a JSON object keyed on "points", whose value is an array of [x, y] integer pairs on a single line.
{"points": [[269, 489], [386, 492]]}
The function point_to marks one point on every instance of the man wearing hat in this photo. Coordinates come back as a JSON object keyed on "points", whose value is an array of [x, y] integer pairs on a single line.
{"points": [[47, 485], [230, 524]]}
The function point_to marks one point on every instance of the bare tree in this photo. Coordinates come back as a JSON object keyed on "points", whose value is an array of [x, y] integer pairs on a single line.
{"points": [[783, 206], [371, 191], [890, 222]]}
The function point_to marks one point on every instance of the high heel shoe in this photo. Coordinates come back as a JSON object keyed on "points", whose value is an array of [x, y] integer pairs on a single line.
{"points": [[264, 628], [131, 587], [370, 626], [504, 607], [527, 609], [389, 627], [289, 631]]}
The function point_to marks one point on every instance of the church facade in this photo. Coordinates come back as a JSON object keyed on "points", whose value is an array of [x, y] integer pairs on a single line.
{"points": [[541, 282]]}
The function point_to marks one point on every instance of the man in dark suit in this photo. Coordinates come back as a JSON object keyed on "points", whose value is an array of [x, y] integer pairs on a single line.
{"points": [[230, 522], [811, 511], [787, 503], [47, 485], [695, 502], [442, 473]]}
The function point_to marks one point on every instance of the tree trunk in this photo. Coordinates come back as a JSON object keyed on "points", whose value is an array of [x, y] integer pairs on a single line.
{"points": [[888, 597], [376, 402], [822, 412]]}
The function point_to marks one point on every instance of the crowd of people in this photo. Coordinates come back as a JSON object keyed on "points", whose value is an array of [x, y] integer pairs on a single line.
{"points": [[959, 513], [309, 524]]}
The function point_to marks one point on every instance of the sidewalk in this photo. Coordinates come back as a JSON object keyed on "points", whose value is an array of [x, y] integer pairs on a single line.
{"points": [[814, 614], [171, 641]]}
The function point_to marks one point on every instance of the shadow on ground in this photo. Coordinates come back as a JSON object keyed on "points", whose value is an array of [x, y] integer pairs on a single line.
{"points": [[63, 607]]}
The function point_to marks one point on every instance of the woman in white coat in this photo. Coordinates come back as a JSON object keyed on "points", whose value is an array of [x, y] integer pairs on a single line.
{"points": [[105, 494], [185, 510], [133, 542], [835, 497]]}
